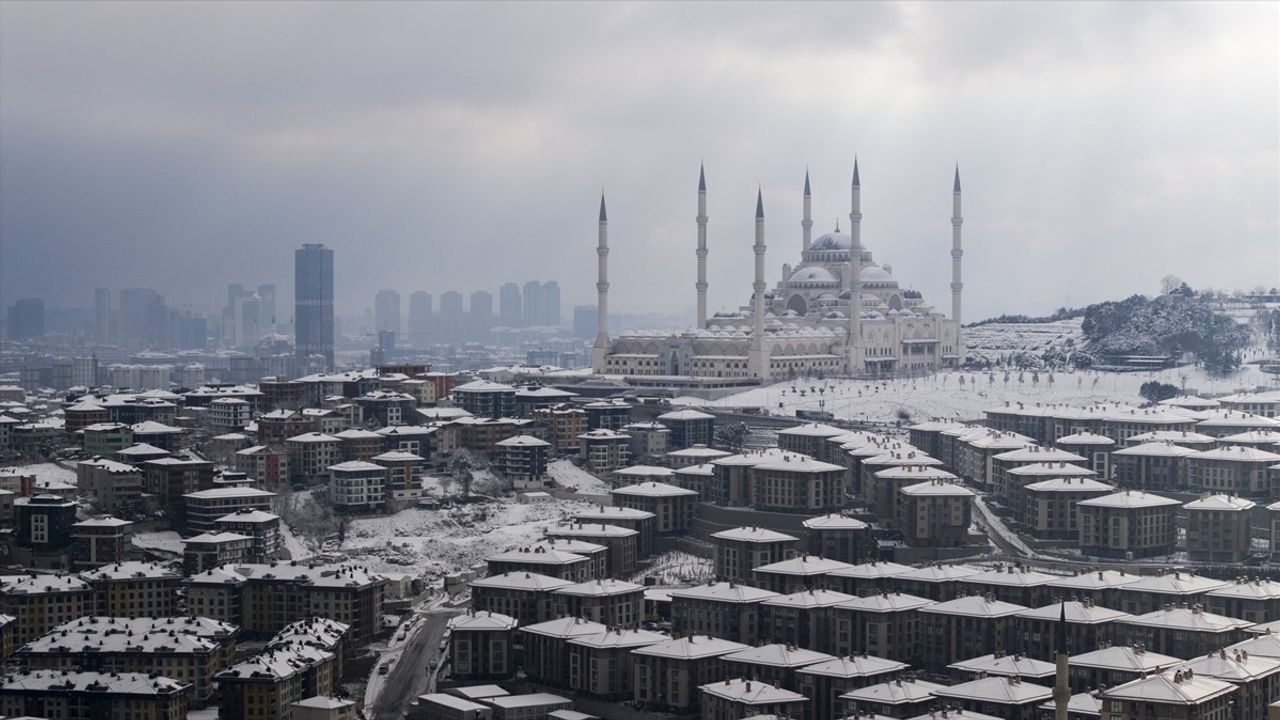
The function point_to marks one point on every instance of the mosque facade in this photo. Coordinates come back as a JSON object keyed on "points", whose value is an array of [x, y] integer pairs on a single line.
{"points": [[806, 324]]}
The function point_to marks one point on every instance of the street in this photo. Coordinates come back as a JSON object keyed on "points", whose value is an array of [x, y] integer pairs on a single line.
{"points": [[409, 676]]}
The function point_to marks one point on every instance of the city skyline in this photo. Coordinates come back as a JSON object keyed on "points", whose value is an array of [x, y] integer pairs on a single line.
{"points": [[1093, 164]]}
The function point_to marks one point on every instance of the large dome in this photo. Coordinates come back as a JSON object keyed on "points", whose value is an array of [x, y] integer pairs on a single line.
{"points": [[832, 241]]}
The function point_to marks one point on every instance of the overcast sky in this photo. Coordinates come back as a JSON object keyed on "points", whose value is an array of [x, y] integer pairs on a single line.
{"points": [[442, 146]]}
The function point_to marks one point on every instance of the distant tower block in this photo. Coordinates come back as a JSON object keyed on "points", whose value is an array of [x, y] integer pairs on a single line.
{"points": [[701, 285]]}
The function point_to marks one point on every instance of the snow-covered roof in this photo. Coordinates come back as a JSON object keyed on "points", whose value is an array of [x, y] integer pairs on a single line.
{"points": [[998, 690], [778, 655], [796, 462], [1172, 687], [1156, 449], [1084, 438], [723, 592], [536, 556], [357, 466], [619, 638], [249, 515], [1124, 658], [645, 471], [523, 441], [1079, 612], [215, 538], [566, 627], [1004, 665], [1249, 589], [1188, 620], [1235, 666], [130, 570], [1237, 453], [807, 599], [398, 456], [894, 692], [1129, 499], [118, 683], [313, 437], [229, 492], [521, 581], [685, 415], [1220, 502], [600, 587], [934, 488], [751, 692], [1051, 469], [834, 521], [974, 606], [753, 534], [1067, 484], [1095, 580], [1038, 454], [1175, 583], [854, 666], [483, 386], [691, 647], [1012, 577], [813, 430], [481, 621], [699, 452], [803, 565], [653, 489], [871, 570], [607, 513], [591, 530]]}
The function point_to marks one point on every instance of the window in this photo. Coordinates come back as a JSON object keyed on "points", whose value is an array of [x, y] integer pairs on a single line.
{"points": [[39, 528]]}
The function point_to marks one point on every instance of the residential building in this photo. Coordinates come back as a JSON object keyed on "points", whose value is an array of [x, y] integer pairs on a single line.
{"points": [[1129, 523], [100, 540], [720, 609], [203, 509], [134, 589], [523, 460], [668, 674], [1174, 694], [671, 506], [738, 698], [740, 550], [73, 695], [356, 486], [481, 646], [604, 451], [1218, 528]]}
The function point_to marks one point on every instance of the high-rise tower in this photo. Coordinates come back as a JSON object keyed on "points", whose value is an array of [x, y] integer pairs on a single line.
{"points": [[806, 224], [313, 302]]}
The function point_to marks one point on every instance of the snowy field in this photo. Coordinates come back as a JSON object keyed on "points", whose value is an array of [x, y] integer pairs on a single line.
{"points": [[442, 541], [998, 339], [571, 477], [965, 395]]}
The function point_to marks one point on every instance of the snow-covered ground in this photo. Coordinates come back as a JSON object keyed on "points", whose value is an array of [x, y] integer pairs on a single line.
{"points": [[45, 472], [389, 652], [570, 476], [678, 568], [964, 395], [443, 541], [164, 541], [998, 339]]}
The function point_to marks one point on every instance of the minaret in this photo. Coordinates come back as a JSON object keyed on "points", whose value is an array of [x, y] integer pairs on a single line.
{"points": [[758, 356], [601, 347], [1061, 690], [806, 225], [854, 280], [701, 285], [956, 252]]}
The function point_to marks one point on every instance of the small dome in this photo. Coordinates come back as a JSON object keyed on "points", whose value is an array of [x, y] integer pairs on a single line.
{"points": [[832, 241], [871, 273], [813, 274]]}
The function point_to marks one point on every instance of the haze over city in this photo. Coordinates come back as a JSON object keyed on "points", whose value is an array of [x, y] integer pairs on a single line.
{"points": [[460, 146]]}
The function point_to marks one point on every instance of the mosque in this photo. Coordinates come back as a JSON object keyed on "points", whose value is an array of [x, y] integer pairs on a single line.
{"points": [[805, 325]]}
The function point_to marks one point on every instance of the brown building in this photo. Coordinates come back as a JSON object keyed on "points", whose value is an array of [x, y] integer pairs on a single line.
{"points": [[886, 625], [1050, 506], [1010, 698], [667, 674], [823, 683], [546, 648], [739, 550], [1129, 523], [1173, 694], [612, 603], [480, 647], [67, 695], [99, 541], [525, 596], [935, 514], [134, 589], [720, 609], [1218, 528], [1089, 626], [1183, 632], [967, 627], [838, 537], [671, 506], [600, 664], [734, 699]]}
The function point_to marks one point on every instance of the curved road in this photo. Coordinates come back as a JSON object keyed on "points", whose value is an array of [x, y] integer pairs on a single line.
{"points": [[409, 676]]}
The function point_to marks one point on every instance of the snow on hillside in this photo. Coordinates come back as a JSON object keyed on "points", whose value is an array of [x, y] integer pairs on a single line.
{"points": [[442, 541], [567, 475], [964, 396], [998, 339]]}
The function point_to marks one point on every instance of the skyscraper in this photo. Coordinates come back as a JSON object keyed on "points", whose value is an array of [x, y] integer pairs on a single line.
{"points": [[509, 306], [532, 303], [550, 303], [419, 319], [144, 319], [482, 305], [26, 319], [386, 312], [267, 294], [103, 317], [313, 302]]}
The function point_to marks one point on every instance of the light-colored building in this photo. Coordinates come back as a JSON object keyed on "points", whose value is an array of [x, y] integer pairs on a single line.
{"points": [[1173, 694], [667, 674], [481, 646], [737, 698], [671, 506], [134, 589], [357, 486], [1049, 506], [68, 695], [935, 513]]}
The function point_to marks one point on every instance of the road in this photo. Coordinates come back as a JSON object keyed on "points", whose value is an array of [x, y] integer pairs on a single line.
{"points": [[409, 676]]}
